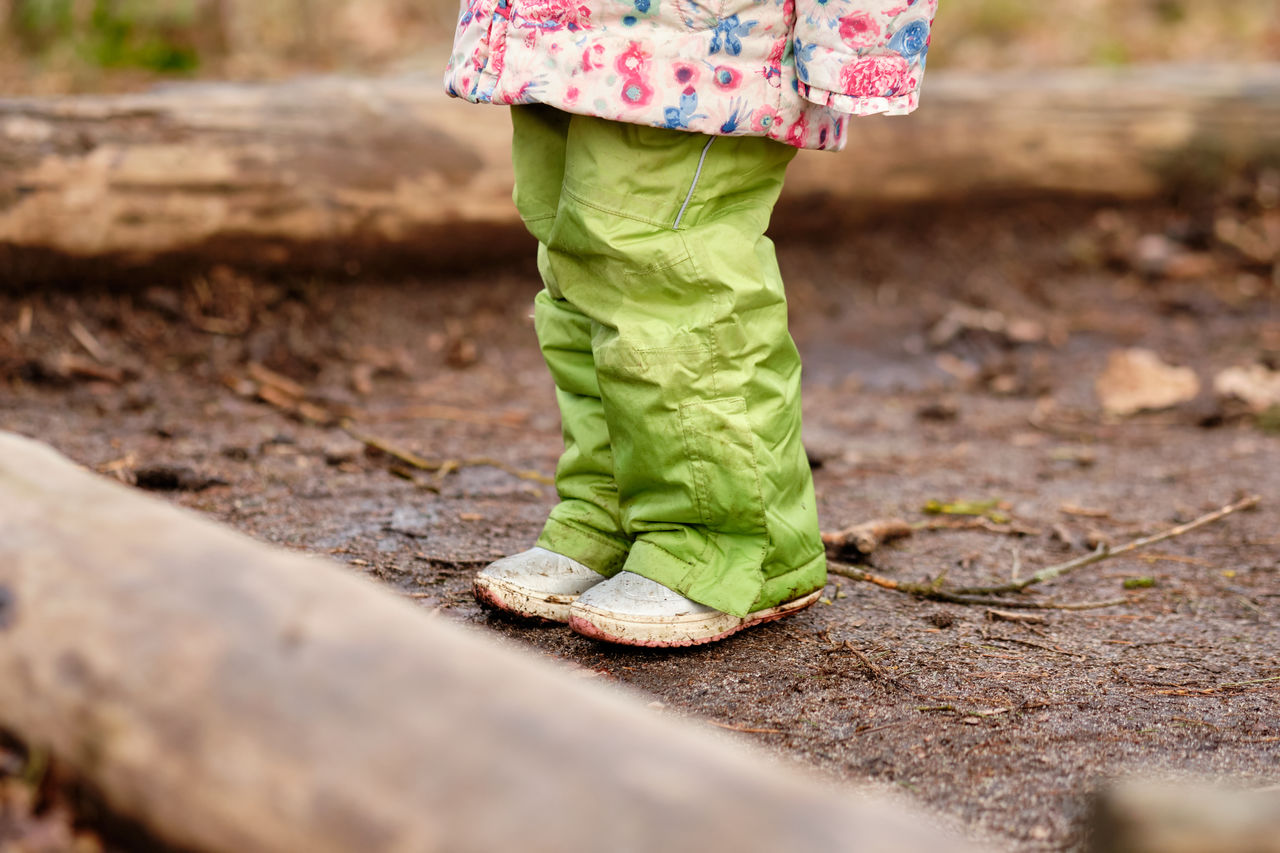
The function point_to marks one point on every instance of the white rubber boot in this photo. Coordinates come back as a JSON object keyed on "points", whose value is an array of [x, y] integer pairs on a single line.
{"points": [[635, 611], [536, 583]]}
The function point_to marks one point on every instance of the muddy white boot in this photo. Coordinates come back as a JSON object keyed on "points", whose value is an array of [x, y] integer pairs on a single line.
{"points": [[537, 582], [635, 611]]}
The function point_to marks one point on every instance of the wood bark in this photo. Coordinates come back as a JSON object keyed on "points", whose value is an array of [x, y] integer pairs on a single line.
{"points": [[1147, 817], [345, 173], [235, 697]]}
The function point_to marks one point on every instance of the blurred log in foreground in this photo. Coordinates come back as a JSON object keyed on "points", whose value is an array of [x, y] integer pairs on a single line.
{"points": [[338, 172], [235, 697], [1148, 817]]}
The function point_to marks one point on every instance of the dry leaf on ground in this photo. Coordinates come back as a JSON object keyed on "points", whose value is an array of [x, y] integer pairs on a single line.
{"points": [[1257, 385], [1137, 380]]}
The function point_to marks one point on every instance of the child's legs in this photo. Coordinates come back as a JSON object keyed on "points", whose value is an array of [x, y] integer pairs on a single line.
{"points": [[697, 371], [585, 525]]}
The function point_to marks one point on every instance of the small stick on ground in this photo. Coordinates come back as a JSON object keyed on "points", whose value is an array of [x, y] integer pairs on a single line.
{"points": [[981, 595], [1173, 558], [1084, 511], [408, 457], [70, 365], [1010, 616], [520, 473], [934, 592], [1207, 691], [751, 731], [514, 419], [1103, 552], [1010, 528], [1035, 645], [265, 376], [413, 460], [876, 672], [86, 339]]}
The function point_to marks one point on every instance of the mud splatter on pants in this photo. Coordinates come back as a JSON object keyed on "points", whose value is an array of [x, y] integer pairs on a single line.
{"points": [[664, 324]]}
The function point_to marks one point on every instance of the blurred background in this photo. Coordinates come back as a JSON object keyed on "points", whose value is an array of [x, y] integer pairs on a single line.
{"points": [[60, 46], [1050, 303]]}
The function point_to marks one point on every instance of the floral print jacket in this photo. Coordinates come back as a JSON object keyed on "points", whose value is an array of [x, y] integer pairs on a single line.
{"points": [[790, 70]]}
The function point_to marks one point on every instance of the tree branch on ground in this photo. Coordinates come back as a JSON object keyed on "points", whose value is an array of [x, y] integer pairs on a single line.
{"points": [[986, 595]]}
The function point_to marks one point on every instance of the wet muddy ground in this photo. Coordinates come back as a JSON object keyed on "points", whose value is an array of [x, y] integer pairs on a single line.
{"points": [[227, 391]]}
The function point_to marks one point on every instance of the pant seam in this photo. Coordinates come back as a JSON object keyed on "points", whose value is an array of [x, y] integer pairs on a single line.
{"points": [[712, 344], [613, 211], [704, 495], [700, 485], [657, 547], [596, 536], [659, 267]]}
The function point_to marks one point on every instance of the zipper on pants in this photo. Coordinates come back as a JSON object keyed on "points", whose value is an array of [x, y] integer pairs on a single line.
{"points": [[675, 226]]}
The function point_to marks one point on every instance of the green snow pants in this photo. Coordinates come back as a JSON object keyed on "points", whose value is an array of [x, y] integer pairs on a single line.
{"points": [[664, 324]]}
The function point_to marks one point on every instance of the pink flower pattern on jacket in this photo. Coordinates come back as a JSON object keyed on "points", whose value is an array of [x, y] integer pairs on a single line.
{"points": [[879, 75], [859, 29], [553, 15], [789, 70]]}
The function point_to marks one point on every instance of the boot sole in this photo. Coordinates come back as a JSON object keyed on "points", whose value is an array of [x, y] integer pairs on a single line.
{"points": [[606, 627], [522, 602]]}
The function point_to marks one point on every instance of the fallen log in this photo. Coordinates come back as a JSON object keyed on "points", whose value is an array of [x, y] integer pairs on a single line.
{"points": [[1137, 816], [345, 173], [234, 697]]}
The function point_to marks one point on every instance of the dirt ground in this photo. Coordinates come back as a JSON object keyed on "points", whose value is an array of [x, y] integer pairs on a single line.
{"points": [[226, 390]]}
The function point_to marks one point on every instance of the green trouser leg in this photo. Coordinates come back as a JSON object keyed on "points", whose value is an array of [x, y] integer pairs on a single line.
{"points": [[658, 239], [585, 525]]}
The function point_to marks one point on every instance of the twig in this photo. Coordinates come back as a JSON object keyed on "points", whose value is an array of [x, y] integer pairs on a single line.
{"points": [[281, 392], [981, 523], [264, 375], [72, 365], [408, 457], [875, 671], [515, 419], [1021, 618], [1173, 558], [1205, 691], [866, 661], [413, 460], [994, 712], [934, 592], [1084, 511], [1190, 721], [1036, 645], [731, 727], [86, 339], [521, 473], [1103, 552]]}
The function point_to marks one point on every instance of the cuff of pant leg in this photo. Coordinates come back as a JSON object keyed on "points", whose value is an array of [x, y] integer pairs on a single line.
{"points": [[594, 550], [731, 591], [738, 593], [793, 584]]}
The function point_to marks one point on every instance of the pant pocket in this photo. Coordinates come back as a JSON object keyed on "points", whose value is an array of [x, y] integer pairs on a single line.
{"points": [[721, 450]]}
